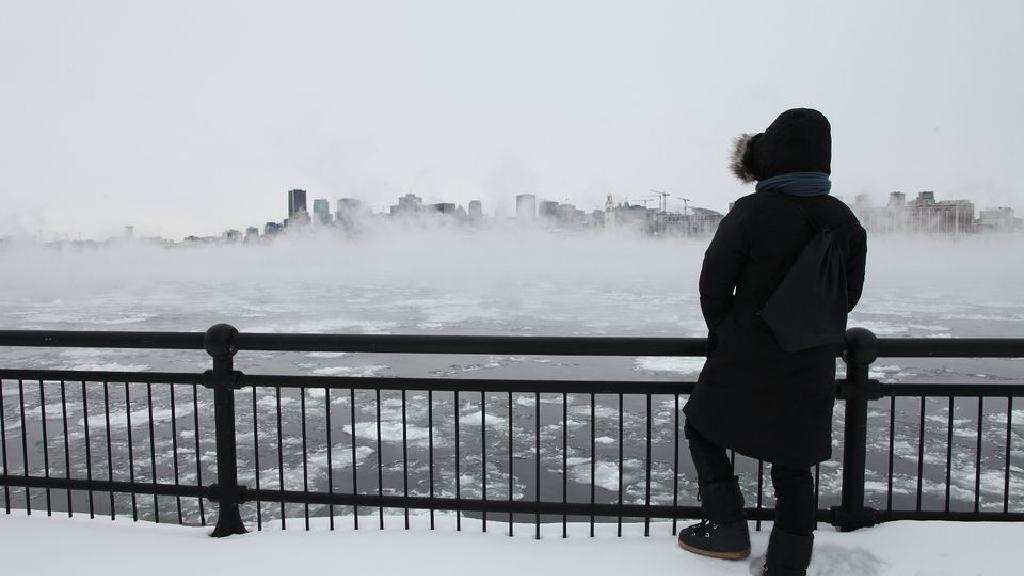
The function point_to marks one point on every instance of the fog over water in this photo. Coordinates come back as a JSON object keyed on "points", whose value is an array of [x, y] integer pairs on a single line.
{"points": [[500, 281], [504, 281]]}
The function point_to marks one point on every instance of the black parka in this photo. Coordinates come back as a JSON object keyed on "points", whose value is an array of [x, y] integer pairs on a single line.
{"points": [[752, 396]]}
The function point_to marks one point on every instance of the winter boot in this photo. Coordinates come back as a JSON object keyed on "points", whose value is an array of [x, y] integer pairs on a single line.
{"points": [[788, 554], [723, 533]]}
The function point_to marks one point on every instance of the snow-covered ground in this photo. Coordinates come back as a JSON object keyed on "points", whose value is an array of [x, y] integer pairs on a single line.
{"points": [[58, 545]]}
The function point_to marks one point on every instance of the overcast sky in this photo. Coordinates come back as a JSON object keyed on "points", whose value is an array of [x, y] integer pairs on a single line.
{"points": [[193, 117]]}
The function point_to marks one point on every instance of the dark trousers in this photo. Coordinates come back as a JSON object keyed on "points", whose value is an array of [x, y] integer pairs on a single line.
{"points": [[794, 487]]}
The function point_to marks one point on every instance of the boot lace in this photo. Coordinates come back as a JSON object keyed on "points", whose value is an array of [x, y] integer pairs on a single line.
{"points": [[705, 529]]}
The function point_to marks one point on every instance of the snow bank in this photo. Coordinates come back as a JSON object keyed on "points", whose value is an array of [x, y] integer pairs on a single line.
{"points": [[88, 547]]}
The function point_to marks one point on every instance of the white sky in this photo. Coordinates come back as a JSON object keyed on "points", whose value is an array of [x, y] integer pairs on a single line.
{"points": [[193, 117]]}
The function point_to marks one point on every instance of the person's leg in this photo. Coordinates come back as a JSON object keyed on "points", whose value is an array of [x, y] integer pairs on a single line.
{"points": [[724, 531], [792, 538], [709, 459]]}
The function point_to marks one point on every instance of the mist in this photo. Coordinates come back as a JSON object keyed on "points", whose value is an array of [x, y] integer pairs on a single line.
{"points": [[505, 281]]}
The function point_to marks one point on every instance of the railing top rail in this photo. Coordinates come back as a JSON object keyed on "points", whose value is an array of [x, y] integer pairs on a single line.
{"points": [[453, 344], [102, 339], [951, 347], [459, 344]]}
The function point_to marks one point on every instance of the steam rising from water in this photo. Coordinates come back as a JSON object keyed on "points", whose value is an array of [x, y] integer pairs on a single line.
{"points": [[475, 281]]}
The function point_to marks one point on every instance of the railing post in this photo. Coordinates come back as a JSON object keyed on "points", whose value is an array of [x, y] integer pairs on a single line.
{"points": [[223, 379], [856, 390]]}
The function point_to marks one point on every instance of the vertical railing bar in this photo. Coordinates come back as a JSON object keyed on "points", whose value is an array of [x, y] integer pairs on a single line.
{"points": [[430, 452], [380, 462], [355, 475], [355, 488], [1009, 441], [330, 452], [892, 450], [977, 457], [732, 460], [110, 448], [817, 485], [593, 457], [280, 460], [458, 461], [24, 446], [3, 448], [46, 445], [649, 465], [199, 460], [174, 446], [511, 452], [88, 450], [621, 461], [483, 456], [67, 447], [760, 491], [131, 448], [949, 449], [536, 413], [565, 459], [305, 457], [405, 461], [152, 448], [675, 458], [256, 459], [920, 456]]}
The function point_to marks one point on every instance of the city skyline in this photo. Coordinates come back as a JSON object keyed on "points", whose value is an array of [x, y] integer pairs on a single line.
{"points": [[924, 213], [110, 118]]}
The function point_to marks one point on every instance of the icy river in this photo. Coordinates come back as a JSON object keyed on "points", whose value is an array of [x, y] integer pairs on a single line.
{"points": [[487, 283]]}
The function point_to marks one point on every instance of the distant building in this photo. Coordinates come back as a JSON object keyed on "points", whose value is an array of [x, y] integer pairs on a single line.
{"points": [[252, 234], [627, 215], [569, 216], [299, 220], [272, 228], [476, 210], [322, 212], [998, 219], [408, 204], [349, 211], [296, 202], [922, 214], [526, 207], [549, 209], [446, 208], [231, 236]]}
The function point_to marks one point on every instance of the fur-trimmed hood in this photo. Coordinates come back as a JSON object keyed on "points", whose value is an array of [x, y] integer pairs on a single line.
{"points": [[740, 160], [799, 140]]}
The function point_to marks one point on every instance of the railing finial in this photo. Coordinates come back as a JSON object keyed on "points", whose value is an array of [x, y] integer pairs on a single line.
{"points": [[218, 341]]}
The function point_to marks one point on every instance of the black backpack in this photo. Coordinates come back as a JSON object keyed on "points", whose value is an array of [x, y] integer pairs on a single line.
{"points": [[809, 307]]}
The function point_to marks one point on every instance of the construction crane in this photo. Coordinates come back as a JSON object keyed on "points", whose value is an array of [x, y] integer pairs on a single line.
{"points": [[685, 202], [662, 198]]}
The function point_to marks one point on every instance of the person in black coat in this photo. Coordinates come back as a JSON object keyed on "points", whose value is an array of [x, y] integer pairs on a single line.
{"points": [[752, 396]]}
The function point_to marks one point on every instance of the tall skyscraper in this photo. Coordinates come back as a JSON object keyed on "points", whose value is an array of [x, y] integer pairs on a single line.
{"points": [[296, 202], [476, 209], [526, 207], [322, 212]]}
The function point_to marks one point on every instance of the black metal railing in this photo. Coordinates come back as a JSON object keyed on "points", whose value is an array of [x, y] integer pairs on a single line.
{"points": [[511, 451]]}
